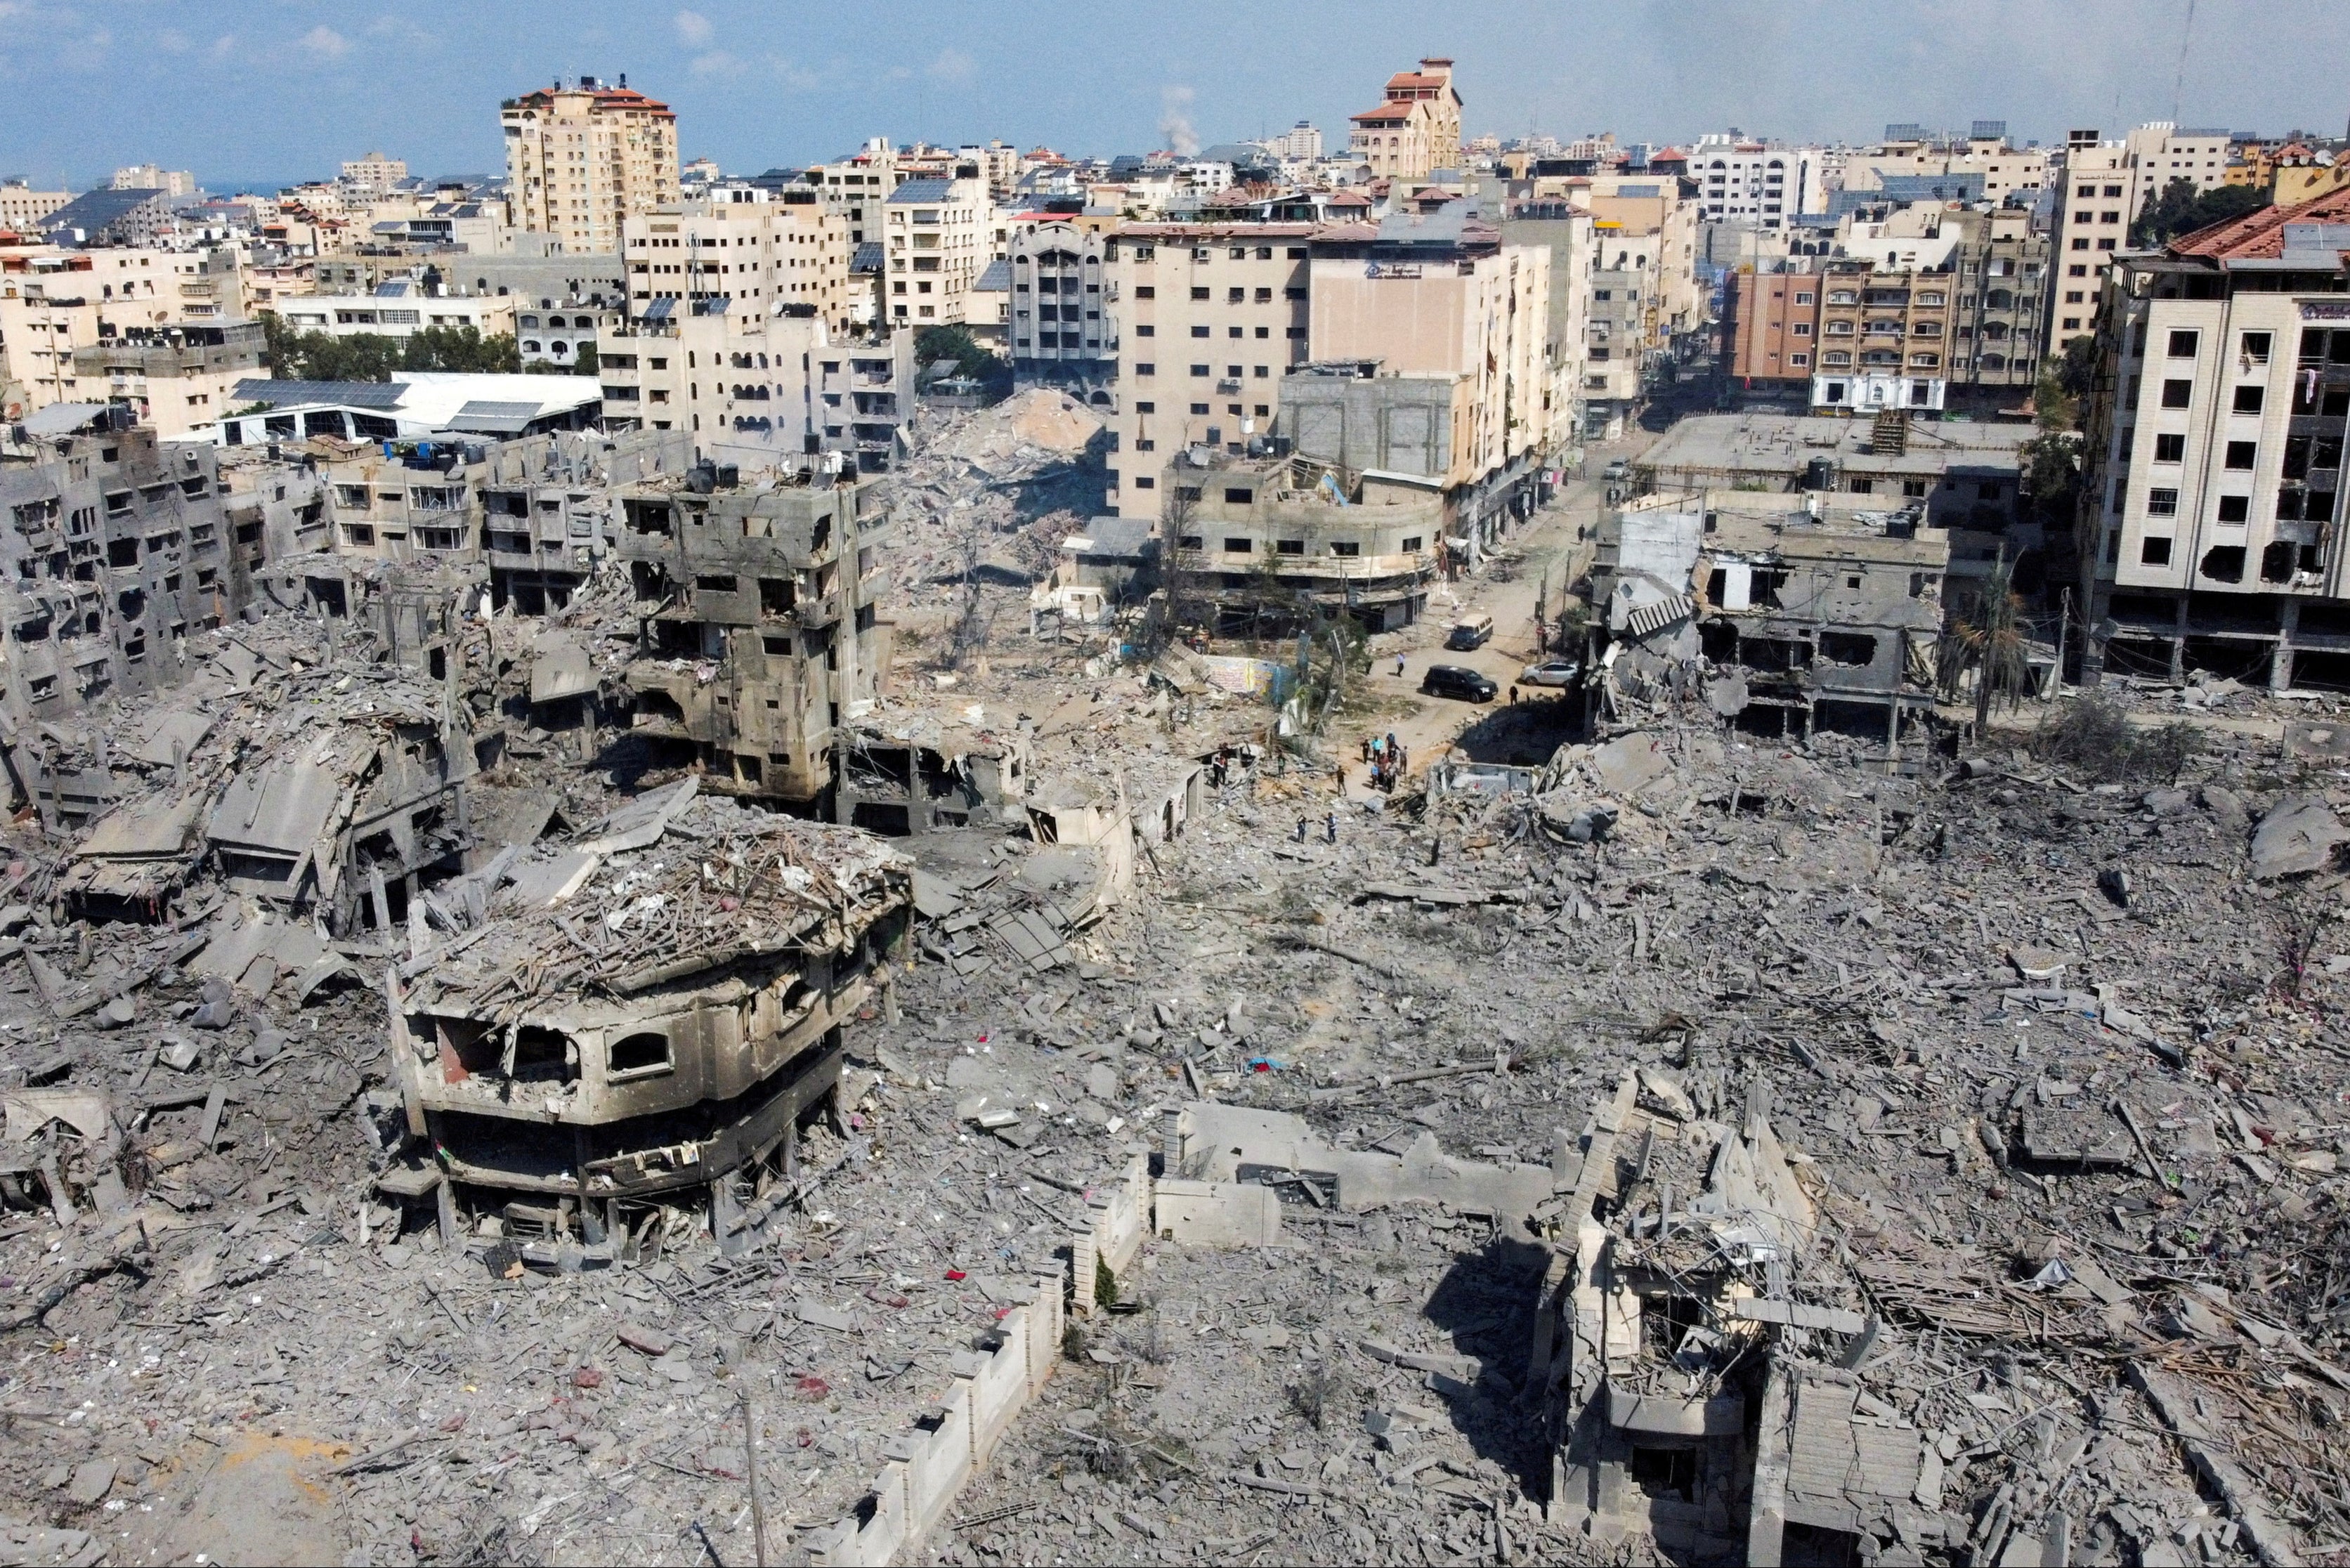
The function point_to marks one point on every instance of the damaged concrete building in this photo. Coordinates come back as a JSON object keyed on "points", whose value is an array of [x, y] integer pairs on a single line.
{"points": [[115, 550], [921, 769], [533, 509], [1694, 1352], [617, 1020], [760, 636], [1803, 614], [1281, 543], [358, 818], [1967, 474]]}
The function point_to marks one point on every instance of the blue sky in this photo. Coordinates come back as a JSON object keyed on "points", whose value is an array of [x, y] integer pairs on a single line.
{"points": [[278, 90]]}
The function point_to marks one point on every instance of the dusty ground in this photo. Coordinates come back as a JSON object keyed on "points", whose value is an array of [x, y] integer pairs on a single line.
{"points": [[266, 1363]]}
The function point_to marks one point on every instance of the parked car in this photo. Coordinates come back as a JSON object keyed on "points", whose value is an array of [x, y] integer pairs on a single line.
{"points": [[1551, 672], [1470, 633], [1617, 470], [1456, 680]]}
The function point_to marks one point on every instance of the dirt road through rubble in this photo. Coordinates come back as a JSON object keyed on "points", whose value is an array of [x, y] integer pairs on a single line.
{"points": [[1555, 545]]}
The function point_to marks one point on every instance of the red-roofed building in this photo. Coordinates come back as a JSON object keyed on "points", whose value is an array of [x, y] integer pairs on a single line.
{"points": [[581, 158], [1416, 129], [2212, 495]]}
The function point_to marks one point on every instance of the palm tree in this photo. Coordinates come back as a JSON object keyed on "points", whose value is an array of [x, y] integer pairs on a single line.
{"points": [[1988, 639]]}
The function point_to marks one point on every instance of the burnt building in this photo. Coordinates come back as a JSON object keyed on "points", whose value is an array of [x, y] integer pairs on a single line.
{"points": [[624, 1023], [1800, 613], [357, 815], [116, 548], [1702, 1359], [760, 640], [1276, 543]]}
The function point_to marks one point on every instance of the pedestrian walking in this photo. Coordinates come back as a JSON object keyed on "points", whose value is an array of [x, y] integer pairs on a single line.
{"points": [[1301, 830], [1399, 667], [1330, 825], [1514, 693]]}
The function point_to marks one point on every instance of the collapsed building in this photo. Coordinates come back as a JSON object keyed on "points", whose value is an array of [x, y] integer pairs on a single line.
{"points": [[1695, 1353], [1275, 543], [601, 1024], [1805, 613], [760, 636]]}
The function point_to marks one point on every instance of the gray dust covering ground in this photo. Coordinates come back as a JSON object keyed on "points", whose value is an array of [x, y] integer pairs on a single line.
{"points": [[2055, 1066]]}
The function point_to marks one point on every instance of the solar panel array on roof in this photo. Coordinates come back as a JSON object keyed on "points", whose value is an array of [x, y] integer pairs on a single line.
{"points": [[93, 211], [914, 191], [351, 394], [867, 257], [493, 418]]}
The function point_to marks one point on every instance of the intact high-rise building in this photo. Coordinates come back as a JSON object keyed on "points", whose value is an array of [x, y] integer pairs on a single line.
{"points": [[580, 160], [1416, 129]]}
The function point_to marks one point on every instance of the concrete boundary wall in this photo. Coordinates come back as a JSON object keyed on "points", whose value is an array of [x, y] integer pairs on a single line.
{"points": [[1119, 1221], [928, 1466]]}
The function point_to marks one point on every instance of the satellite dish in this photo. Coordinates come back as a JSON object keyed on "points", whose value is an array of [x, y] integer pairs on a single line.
{"points": [[2105, 630]]}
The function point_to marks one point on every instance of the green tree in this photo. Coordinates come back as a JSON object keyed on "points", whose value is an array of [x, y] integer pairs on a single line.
{"points": [[2179, 208], [460, 349], [956, 343], [587, 364]]}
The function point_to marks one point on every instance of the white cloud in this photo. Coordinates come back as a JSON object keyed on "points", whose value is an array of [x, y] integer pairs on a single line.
{"points": [[694, 28], [717, 63], [326, 43], [951, 65], [223, 47]]}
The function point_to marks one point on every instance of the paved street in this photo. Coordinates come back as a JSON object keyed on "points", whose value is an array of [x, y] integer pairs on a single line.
{"points": [[1547, 546]]}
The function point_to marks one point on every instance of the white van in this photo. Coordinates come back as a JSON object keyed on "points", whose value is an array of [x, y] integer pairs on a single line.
{"points": [[1471, 631]]}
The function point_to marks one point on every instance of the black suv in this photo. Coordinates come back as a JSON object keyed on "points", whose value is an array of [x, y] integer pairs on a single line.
{"points": [[1453, 680]]}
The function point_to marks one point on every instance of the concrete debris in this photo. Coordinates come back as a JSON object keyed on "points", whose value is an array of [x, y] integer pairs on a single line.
{"points": [[453, 1115], [2297, 838]]}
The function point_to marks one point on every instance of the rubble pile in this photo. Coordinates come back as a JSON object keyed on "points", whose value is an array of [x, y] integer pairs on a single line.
{"points": [[994, 489], [434, 1133]]}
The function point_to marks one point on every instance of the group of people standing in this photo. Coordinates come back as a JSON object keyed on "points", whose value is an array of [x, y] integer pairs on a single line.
{"points": [[1388, 760]]}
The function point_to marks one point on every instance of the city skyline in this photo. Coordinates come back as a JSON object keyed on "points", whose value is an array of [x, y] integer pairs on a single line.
{"points": [[752, 93]]}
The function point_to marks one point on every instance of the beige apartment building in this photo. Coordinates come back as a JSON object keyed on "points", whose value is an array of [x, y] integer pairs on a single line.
{"points": [[1482, 319], [2005, 169], [2213, 459], [1564, 229], [177, 379], [1416, 129], [1645, 299], [372, 172], [938, 236], [22, 208], [740, 383], [399, 308], [580, 160], [758, 249], [1211, 318], [57, 307], [2104, 185], [151, 177], [855, 188], [45, 319]]}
